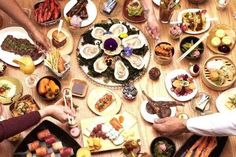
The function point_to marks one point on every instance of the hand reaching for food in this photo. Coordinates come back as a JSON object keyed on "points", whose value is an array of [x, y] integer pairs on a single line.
{"points": [[170, 126], [152, 26], [40, 39]]}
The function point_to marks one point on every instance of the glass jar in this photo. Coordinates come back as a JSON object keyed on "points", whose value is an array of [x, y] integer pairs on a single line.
{"points": [[166, 12]]}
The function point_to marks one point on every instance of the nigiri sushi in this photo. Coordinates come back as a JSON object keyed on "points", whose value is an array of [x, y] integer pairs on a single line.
{"points": [[66, 152], [57, 146], [33, 145], [50, 140], [41, 151], [43, 134]]}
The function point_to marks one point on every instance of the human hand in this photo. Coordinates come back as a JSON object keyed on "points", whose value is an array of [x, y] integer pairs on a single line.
{"points": [[58, 112], [152, 26], [40, 39], [170, 126]]}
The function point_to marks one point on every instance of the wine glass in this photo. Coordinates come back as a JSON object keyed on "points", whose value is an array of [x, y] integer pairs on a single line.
{"points": [[27, 67]]}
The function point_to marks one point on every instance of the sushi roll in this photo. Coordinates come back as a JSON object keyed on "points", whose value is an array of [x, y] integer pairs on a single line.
{"points": [[43, 134], [57, 146], [41, 151], [33, 145], [66, 152], [50, 140]]}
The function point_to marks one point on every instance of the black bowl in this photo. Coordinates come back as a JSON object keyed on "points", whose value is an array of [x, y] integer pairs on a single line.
{"points": [[162, 138], [188, 40], [57, 82]]}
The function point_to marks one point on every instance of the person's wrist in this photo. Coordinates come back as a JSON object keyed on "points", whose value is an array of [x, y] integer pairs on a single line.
{"points": [[184, 124], [44, 112]]}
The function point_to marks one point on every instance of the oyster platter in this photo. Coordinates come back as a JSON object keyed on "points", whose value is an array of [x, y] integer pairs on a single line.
{"points": [[113, 53]]}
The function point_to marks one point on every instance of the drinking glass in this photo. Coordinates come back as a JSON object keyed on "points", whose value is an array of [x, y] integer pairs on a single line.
{"points": [[166, 12]]}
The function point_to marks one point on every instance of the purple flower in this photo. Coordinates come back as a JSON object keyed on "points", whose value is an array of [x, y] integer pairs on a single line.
{"points": [[128, 51], [110, 44]]}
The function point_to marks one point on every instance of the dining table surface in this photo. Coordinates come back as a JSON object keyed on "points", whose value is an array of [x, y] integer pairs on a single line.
{"points": [[153, 88]]}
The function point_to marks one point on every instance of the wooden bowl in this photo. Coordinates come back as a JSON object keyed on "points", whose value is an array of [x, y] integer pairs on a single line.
{"points": [[57, 82], [162, 60], [205, 74]]}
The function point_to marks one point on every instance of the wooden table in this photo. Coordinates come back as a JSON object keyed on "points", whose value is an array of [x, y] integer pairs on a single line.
{"points": [[154, 89]]}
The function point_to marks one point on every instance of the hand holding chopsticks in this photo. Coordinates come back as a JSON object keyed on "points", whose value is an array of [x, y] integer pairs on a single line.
{"points": [[67, 96]]}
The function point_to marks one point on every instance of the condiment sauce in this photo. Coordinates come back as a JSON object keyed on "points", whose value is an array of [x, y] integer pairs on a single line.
{"points": [[79, 88]]}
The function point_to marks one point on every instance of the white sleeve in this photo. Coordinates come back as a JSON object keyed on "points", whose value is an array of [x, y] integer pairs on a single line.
{"points": [[218, 124]]}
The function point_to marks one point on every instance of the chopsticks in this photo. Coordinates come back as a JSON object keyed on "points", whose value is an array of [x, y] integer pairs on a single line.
{"points": [[67, 95], [193, 47]]}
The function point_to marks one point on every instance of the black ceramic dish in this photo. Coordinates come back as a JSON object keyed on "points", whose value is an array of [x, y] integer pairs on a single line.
{"points": [[57, 82], [162, 138], [188, 40], [221, 141], [60, 134]]}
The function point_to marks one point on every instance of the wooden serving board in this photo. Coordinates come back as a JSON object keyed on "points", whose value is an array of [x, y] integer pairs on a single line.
{"points": [[228, 30], [130, 126]]}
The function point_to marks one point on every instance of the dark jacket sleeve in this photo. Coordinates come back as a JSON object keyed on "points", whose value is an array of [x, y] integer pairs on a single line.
{"points": [[16, 125]]}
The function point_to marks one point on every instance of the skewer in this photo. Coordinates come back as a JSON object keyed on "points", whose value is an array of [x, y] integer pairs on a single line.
{"points": [[59, 26], [210, 19], [193, 47]]}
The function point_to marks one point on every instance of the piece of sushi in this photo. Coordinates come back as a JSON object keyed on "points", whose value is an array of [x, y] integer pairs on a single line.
{"points": [[41, 151], [43, 134], [33, 145], [66, 152], [50, 140], [57, 146]]}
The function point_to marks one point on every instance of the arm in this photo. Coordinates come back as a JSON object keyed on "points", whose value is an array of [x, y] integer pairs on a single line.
{"points": [[16, 125], [152, 24], [12, 8]]}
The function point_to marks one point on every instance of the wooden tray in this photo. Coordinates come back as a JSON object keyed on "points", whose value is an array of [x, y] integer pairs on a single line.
{"points": [[132, 19], [228, 30], [209, 83], [130, 125]]}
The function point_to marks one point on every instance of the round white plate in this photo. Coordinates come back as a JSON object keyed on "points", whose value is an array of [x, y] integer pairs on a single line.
{"points": [[98, 93], [168, 85], [17, 32], [223, 98], [207, 26], [68, 48], [91, 10], [151, 117], [157, 2], [100, 80]]}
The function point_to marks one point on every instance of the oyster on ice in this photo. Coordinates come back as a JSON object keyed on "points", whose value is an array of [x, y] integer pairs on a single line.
{"points": [[121, 72], [100, 65], [98, 32], [135, 60], [133, 41], [89, 51], [117, 29]]}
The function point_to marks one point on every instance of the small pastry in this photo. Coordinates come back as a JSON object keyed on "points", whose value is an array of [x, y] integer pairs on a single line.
{"points": [[130, 92], [220, 33], [226, 40], [58, 39], [194, 70], [215, 41], [175, 32], [154, 73]]}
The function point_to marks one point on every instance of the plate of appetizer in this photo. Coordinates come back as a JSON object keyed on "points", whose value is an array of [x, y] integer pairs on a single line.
{"points": [[47, 139], [181, 85], [84, 11], [162, 146], [79, 87], [10, 89], [104, 102], [47, 12], [112, 59], [202, 146], [25, 104], [194, 21], [219, 73], [226, 101], [133, 11], [63, 40], [221, 39], [15, 42], [106, 133], [158, 2], [58, 64]]}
